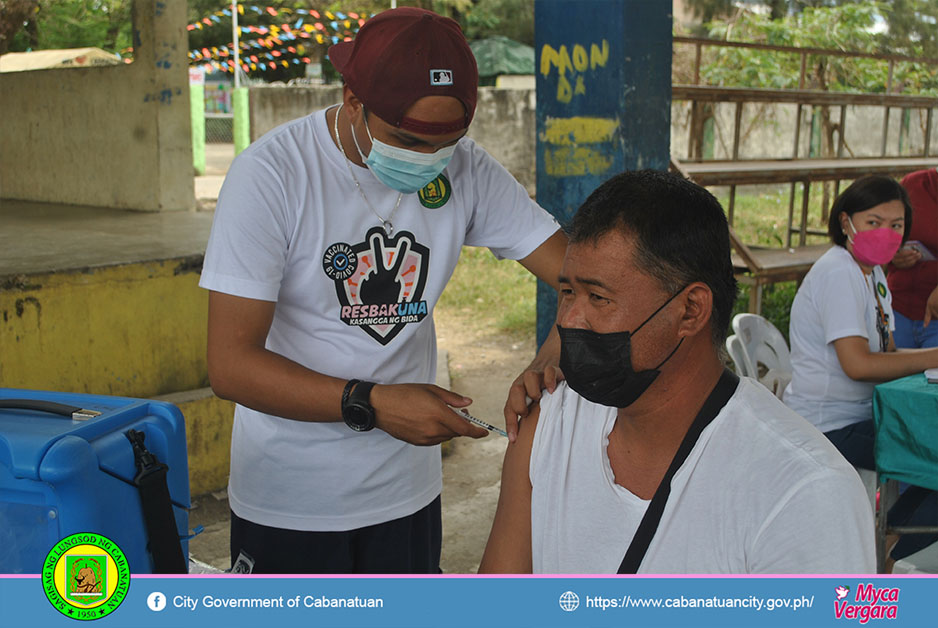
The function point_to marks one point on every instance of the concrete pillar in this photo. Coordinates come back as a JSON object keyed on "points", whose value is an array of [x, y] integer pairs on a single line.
{"points": [[603, 102], [114, 136], [241, 125], [197, 109]]}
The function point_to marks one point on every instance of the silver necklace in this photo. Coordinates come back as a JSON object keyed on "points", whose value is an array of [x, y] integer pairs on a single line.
{"points": [[386, 223]]}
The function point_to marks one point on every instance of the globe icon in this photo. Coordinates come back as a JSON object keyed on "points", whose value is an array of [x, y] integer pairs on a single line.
{"points": [[569, 601]]}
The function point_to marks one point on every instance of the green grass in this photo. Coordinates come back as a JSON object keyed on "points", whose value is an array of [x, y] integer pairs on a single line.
{"points": [[502, 293], [489, 291], [760, 216]]}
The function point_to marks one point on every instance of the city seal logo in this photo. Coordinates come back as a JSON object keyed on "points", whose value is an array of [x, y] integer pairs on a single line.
{"points": [[436, 193], [85, 576]]}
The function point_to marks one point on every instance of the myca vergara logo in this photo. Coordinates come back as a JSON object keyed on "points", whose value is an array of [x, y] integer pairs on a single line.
{"points": [[85, 576], [867, 603]]}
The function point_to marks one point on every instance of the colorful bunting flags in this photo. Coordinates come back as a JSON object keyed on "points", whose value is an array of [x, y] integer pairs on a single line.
{"points": [[328, 28]]}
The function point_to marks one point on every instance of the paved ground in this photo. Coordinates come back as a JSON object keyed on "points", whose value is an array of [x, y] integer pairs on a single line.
{"points": [[479, 363]]}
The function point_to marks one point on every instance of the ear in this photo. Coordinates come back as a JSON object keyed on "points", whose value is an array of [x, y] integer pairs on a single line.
{"points": [[698, 309], [351, 103], [844, 218]]}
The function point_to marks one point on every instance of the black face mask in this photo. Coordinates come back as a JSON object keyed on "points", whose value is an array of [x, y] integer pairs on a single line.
{"points": [[599, 366]]}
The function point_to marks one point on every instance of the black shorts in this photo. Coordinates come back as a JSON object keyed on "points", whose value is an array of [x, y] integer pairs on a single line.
{"points": [[407, 545]]}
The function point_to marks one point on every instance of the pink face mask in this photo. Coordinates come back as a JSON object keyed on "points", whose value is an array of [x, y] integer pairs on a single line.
{"points": [[875, 246]]}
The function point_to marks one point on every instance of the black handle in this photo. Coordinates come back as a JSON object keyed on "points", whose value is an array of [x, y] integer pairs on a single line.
{"points": [[72, 412]]}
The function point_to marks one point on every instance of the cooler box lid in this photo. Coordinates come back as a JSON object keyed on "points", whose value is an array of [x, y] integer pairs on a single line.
{"points": [[27, 435]]}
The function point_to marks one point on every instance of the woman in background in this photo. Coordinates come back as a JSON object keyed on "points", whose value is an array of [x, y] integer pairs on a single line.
{"points": [[913, 273], [841, 336]]}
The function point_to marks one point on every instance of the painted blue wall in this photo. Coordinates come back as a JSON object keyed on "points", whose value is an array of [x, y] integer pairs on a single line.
{"points": [[603, 102]]}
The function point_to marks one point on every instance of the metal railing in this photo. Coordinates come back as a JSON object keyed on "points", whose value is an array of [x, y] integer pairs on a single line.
{"points": [[780, 169]]}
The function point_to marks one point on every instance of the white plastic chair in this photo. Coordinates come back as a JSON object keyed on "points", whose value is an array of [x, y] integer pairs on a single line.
{"points": [[737, 352], [924, 561], [763, 344], [775, 380]]}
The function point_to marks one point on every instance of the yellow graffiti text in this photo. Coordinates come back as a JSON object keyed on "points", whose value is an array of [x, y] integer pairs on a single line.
{"points": [[573, 63], [574, 145]]}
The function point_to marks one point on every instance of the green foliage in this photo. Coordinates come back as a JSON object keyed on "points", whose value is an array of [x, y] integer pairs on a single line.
{"points": [[482, 285], [912, 27], [706, 10], [761, 218], [77, 24], [511, 18], [848, 27]]}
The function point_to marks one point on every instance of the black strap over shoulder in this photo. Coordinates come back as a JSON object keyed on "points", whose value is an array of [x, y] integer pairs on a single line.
{"points": [[718, 397]]}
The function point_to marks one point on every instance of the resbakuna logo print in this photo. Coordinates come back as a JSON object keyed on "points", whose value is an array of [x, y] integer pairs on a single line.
{"points": [[379, 282]]}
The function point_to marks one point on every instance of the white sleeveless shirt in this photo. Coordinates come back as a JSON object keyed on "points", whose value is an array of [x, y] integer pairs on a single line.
{"points": [[762, 491]]}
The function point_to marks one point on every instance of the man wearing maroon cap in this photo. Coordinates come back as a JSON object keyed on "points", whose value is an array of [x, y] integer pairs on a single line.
{"points": [[334, 237]]}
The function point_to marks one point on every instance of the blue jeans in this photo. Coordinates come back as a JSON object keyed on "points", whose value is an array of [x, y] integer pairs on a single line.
{"points": [[911, 334], [916, 506]]}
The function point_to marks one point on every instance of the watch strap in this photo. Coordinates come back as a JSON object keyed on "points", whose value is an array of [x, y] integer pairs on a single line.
{"points": [[357, 411], [362, 393], [347, 391]]}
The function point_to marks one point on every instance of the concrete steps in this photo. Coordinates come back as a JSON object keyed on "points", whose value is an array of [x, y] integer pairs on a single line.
{"points": [[107, 302]]}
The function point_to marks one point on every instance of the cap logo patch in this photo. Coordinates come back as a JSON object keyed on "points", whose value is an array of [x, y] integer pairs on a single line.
{"points": [[441, 77]]}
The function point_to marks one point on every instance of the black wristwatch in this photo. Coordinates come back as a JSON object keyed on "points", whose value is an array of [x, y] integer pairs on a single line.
{"points": [[356, 405]]}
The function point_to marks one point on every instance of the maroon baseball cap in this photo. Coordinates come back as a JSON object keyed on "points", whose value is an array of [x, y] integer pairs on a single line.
{"points": [[401, 55]]}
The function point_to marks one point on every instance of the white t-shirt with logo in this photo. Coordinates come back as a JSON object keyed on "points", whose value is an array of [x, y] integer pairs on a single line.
{"points": [[761, 491], [352, 302], [836, 300]]}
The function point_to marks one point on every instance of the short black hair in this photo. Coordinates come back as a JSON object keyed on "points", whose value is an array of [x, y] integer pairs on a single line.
{"points": [[863, 194], [680, 229]]}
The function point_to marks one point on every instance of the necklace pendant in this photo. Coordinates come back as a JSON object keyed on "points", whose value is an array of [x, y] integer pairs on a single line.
{"points": [[388, 228]]}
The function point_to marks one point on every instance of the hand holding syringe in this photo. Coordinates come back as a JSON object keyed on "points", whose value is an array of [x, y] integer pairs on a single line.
{"points": [[464, 414]]}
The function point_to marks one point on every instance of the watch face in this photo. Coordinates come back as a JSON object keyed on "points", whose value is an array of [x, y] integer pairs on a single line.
{"points": [[359, 418]]}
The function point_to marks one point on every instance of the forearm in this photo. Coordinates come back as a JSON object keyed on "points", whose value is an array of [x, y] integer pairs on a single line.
{"points": [[267, 382], [882, 367]]}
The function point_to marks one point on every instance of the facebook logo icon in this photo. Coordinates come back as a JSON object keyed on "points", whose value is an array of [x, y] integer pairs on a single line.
{"points": [[441, 77], [156, 601]]}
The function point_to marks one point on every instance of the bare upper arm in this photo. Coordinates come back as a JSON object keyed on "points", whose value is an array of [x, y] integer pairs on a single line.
{"points": [[852, 352], [509, 546], [235, 324], [545, 261]]}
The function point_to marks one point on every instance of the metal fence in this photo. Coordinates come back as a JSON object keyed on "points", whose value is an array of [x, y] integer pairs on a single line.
{"points": [[219, 128]]}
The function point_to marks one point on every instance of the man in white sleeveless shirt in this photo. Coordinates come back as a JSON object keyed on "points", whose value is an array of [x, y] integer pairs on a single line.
{"points": [[651, 457]]}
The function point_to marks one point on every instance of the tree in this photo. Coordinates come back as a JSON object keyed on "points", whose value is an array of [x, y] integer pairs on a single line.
{"points": [[707, 10], [511, 18], [848, 27], [75, 24], [912, 27], [14, 15]]}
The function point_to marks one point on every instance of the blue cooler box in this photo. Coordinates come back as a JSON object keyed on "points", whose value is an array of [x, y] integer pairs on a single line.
{"points": [[60, 476]]}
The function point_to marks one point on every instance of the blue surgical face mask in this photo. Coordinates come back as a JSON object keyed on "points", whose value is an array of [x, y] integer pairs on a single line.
{"points": [[403, 170]]}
